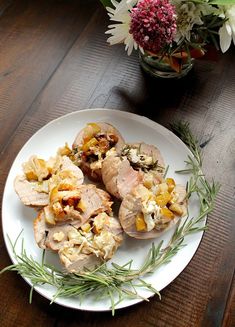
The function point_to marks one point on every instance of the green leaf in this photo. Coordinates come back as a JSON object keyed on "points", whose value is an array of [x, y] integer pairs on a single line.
{"points": [[106, 3], [222, 2]]}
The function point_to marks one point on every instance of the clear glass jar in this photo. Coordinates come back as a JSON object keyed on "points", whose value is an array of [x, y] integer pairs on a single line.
{"points": [[158, 68]]}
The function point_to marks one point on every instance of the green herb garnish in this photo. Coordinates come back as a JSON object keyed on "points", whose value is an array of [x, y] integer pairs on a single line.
{"points": [[140, 161]]}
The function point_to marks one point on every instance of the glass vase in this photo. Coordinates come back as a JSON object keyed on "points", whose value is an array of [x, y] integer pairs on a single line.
{"points": [[159, 68]]}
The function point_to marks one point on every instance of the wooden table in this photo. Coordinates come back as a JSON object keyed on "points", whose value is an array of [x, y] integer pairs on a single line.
{"points": [[54, 59]]}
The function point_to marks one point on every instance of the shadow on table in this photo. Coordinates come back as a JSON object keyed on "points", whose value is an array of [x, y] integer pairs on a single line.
{"points": [[157, 97]]}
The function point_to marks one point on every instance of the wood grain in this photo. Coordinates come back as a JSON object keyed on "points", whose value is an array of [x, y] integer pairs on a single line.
{"points": [[56, 60], [4, 4], [229, 316], [35, 37]]}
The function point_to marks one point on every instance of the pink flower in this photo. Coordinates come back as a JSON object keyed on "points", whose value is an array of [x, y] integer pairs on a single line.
{"points": [[153, 24]]}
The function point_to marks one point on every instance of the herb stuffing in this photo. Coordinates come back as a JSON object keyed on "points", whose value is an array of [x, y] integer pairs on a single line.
{"points": [[139, 160]]}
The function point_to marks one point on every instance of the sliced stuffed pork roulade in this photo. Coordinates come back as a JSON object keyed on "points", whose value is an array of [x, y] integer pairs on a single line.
{"points": [[92, 243], [147, 212], [121, 172], [68, 207], [92, 145], [79, 226], [40, 176]]}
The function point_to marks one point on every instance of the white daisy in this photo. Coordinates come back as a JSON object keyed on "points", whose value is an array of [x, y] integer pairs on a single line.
{"points": [[120, 32], [188, 15], [227, 31], [121, 7]]}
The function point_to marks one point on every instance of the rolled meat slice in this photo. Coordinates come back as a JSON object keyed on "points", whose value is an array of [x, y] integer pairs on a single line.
{"points": [[87, 249], [75, 261], [147, 213], [92, 145], [68, 210], [33, 187], [28, 194], [122, 172], [90, 244]]}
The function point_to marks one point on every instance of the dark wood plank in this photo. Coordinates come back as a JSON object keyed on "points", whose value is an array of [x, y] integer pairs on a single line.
{"points": [[229, 317], [95, 75], [4, 4], [35, 37]]}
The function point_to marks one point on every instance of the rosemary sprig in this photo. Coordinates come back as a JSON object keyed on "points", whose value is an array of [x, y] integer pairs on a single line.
{"points": [[182, 130], [197, 182], [121, 281]]}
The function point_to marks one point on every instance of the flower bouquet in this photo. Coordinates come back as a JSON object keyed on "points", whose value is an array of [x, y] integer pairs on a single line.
{"points": [[171, 34]]}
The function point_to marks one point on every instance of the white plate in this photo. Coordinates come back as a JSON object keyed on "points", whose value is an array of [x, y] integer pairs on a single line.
{"points": [[134, 128]]}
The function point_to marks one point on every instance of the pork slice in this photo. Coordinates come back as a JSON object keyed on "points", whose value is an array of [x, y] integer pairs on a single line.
{"points": [[95, 201], [127, 178], [76, 261], [92, 203], [50, 236], [94, 173], [106, 200], [45, 237], [110, 169], [115, 228], [40, 230], [131, 206], [105, 128], [26, 190], [67, 164], [118, 176], [57, 235], [27, 193]]}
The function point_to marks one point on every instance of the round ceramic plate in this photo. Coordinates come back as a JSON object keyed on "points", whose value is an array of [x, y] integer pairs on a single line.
{"points": [[134, 128]]}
